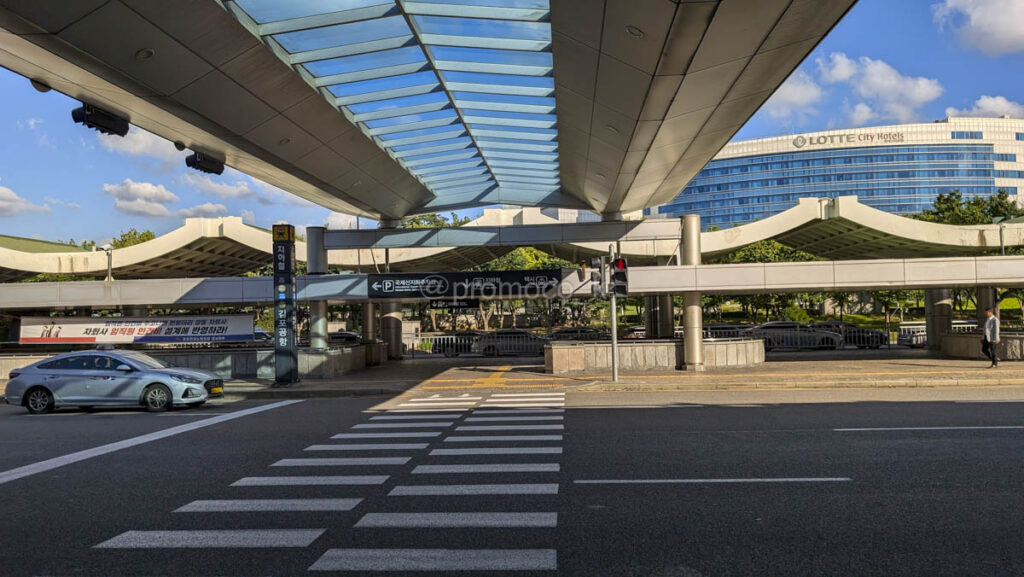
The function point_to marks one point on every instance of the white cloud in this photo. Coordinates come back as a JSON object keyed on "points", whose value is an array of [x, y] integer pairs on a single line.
{"points": [[140, 198], [59, 202], [838, 68], [30, 123], [206, 209], [795, 98], [138, 142], [248, 216], [990, 107], [991, 26], [861, 114], [340, 221], [885, 93], [12, 204], [206, 185]]}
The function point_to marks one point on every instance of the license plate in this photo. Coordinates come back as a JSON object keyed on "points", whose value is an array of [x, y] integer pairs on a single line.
{"points": [[216, 390]]}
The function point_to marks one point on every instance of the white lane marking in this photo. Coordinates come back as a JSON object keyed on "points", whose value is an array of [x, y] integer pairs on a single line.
{"points": [[180, 414], [410, 417], [265, 505], [369, 447], [248, 538], [510, 428], [419, 435], [456, 520], [931, 428], [522, 405], [341, 461], [517, 411], [527, 395], [535, 418], [50, 464], [462, 490], [437, 560], [530, 401], [403, 425], [498, 451], [710, 481], [299, 480], [423, 410], [434, 408], [488, 468], [487, 438]]}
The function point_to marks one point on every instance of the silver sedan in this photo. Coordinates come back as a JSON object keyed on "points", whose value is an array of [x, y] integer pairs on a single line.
{"points": [[109, 378]]}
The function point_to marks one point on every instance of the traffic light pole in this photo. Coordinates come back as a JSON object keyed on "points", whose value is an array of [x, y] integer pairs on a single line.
{"points": [[615, 325]]}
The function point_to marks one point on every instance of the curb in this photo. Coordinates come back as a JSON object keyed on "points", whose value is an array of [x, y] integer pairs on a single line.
{"points": [[936, 384]]}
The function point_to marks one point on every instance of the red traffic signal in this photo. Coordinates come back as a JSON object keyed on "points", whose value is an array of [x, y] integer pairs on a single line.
{"points": [[620, 276], [619, 264]]}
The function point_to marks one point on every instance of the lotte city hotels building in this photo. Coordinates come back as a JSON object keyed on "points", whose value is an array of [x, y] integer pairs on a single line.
{"points": [[898, 169]]}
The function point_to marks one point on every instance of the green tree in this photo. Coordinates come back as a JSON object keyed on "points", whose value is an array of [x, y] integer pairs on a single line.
{"points": [[952, 208], [434, 220], [132, 237], [525, 258]]}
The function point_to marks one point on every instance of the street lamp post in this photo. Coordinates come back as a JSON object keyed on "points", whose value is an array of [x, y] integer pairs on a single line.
{"points": [[110, 263]]}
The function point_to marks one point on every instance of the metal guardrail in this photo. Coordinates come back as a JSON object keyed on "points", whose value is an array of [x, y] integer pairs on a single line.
{"points": [[487, 344]]}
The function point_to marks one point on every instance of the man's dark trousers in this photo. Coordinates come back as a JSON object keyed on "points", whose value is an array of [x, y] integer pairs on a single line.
{"points": [[989, 350]]}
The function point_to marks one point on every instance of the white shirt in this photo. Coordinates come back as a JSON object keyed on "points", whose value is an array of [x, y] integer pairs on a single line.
{"points": [[992, 329]]}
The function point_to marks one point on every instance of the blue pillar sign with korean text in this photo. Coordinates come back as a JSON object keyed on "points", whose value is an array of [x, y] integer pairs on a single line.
{"points": [[286, 366]]}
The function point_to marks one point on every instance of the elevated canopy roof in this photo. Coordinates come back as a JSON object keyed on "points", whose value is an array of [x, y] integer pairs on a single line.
{"points": [[389, 108]]}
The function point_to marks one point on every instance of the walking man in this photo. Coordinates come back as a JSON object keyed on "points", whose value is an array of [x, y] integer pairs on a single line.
{"points": [[991, 338]]}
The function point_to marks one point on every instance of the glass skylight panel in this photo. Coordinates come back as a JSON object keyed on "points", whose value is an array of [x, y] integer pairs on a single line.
{"points": [[480, 33], [263, 11], [459, 92]]}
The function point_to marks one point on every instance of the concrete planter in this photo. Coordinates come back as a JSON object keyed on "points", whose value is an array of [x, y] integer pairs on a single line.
{"points": [[968, 346], [646, 355]]}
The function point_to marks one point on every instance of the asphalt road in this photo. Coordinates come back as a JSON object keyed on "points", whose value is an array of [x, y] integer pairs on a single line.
{"points": [[540, 486]]}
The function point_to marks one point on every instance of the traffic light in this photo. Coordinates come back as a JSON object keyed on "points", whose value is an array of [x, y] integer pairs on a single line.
{"points": [[597, 279], [620, 277]]}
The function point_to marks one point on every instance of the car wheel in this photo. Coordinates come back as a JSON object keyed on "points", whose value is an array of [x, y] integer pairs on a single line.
{"points": [[39, 401], [491, 351], [156, 398]]}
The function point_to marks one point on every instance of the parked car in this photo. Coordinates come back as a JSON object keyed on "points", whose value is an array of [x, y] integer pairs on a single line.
{"points": [[724, 330], [109, 378], [790, 335], [509, 342], [637, 332], [455, 344], [262, 337], [345, 338], [579, 334], [859, 337]]}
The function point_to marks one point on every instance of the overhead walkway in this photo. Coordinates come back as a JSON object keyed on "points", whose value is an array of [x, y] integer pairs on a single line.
{"points": [[729, 279]]}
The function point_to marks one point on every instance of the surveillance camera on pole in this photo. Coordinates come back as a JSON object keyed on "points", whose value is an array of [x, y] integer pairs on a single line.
{"points": [[98, 119], [204, 163]]}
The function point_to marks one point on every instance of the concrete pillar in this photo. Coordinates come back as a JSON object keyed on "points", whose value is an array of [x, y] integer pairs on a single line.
{"points": [[369, 322], [316, 264], [985, 297], [135, 311], [938, 315], [659, 322], [316, 254], [693, 330], [391, 328], [14, 330], [318, 324]]}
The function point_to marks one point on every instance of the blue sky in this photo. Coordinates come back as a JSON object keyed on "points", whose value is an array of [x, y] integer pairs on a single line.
{"points": [[887, 62]]}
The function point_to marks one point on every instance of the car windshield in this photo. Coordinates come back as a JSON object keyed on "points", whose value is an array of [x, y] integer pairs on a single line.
{"points": [[146, 361]]}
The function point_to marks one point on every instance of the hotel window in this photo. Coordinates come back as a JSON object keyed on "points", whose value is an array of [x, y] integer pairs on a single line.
{"points": [[1020, 136], [966, 135]]}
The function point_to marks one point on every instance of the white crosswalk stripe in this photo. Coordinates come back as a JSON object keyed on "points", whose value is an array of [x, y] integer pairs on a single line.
{"points": [[369, 447], [457, 520], [410, 417], [498, 451], [510, 428], [440, 404], [487, 468], [445, 399], [536, 418], [415, 435], [216, 539], [541, 411], [489, 438], [341, 461], [403, 425], [252, 505], [437, 560], [300, 480], [517, 395], [462, 490]]}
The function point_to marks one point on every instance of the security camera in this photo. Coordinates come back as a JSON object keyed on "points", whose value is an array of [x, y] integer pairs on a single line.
{"points": [[204, 163], [96, 118]]}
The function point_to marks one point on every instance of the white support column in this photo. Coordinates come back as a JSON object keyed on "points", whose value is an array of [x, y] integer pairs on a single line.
{"points": [[316, 264], [391, 328], [985, 296], [938, 315], [369, 322], [693, 330]]}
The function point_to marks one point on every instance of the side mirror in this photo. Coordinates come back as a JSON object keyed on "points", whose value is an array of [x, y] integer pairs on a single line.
{"points": [[124, 368]]}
